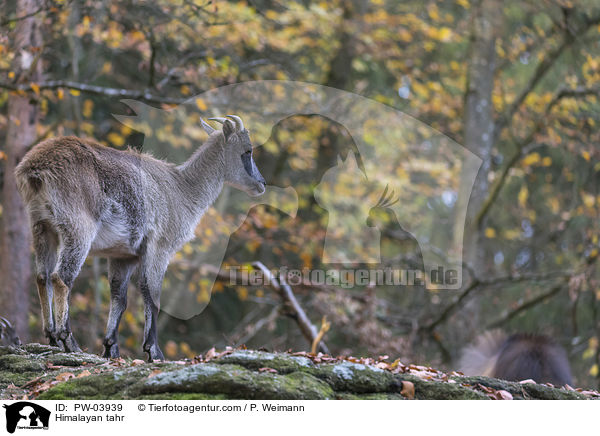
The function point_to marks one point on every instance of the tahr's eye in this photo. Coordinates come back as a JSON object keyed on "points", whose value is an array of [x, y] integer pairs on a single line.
{"points": [[248, 152]]}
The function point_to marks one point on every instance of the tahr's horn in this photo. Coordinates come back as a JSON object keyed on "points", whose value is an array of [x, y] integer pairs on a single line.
{"points": [[207, 128], [238, 122]]}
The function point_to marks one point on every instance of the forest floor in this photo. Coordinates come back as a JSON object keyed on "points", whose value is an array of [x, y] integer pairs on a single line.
{"points": [[35, 371]]}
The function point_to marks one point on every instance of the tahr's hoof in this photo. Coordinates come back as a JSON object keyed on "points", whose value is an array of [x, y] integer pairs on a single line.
{"points": [[69, 342], [53, 338], [154, 353], [111, 351]]}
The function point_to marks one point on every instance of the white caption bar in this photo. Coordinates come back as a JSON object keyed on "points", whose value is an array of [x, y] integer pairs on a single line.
{"points": [[299, 417]]}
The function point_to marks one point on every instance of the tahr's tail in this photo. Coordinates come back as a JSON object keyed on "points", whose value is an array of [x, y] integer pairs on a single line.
{"points": [[480, 358]]}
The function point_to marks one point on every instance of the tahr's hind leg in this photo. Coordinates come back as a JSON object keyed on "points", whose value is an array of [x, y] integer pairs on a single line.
{"points": [[72, 255], [119, 272], [45, 244]]}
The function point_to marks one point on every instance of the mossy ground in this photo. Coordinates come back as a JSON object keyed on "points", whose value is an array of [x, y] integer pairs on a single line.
{"points": [[44, 372]]}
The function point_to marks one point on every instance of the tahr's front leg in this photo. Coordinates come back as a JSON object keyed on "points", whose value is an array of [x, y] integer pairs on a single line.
{"points": [[119, 272], [152, 271]]}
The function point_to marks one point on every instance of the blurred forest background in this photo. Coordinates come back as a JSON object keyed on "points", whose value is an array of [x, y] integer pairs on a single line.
{"points": [[516, 82]]}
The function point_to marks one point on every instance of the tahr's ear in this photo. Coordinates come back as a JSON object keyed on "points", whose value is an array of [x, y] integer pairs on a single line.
{"points": [[228, 128]]}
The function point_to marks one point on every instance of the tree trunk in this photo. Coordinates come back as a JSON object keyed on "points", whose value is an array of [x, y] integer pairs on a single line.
{"points": [[15, 271], [478, 124]]}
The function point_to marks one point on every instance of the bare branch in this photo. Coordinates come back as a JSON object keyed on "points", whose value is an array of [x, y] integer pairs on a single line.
{"points": [[23, 17], [527, 305], [543, 67], [143, 95], [570, 281], [496, 281], [456, 302], [569, 38], [522, 145]]}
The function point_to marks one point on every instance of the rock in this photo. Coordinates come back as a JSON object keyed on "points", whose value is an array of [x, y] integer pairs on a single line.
{"points": [[356, 377], [44, 372], [254, 360], [235, 381], [35, 348], [74, 359]]}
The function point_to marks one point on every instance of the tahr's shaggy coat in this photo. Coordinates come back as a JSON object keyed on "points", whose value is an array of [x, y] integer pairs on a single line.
{"points": [[137, 211]]}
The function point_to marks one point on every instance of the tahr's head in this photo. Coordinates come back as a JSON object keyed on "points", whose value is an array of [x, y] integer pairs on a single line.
{"points": [[240, 169]]}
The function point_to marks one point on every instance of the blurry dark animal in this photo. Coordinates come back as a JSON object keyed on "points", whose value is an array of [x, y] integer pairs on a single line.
{"points": [[8, 335], [521, 356]]}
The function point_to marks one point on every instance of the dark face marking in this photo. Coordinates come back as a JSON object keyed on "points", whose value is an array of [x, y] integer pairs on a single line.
{"points": [[247, 162], [250, 167]]}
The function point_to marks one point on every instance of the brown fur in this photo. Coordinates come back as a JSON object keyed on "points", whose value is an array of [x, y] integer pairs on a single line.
{"points": [[86, 199]]}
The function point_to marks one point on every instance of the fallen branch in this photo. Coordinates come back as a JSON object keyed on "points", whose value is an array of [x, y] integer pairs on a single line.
{"points": [[325, 326], [285, 292], [287, 296]]}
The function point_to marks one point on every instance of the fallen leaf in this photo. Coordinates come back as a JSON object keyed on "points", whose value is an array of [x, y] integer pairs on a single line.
{"points": [[408, 390], [503, 395], [210, 354], [64, 376]]}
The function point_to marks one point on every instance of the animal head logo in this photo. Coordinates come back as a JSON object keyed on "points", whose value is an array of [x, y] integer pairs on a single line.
{"points": [[25, 414], [401, 178]]}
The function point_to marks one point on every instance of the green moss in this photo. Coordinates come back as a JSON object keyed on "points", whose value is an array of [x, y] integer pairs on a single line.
{"points": [[437, 390], [183, 396], [238, 382], [541, 392], [10, 349], [17, 379], [20, 364], [108, 385], [378, 396], [74, 359], [522, 391], [35, 348], [255, 360]]}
